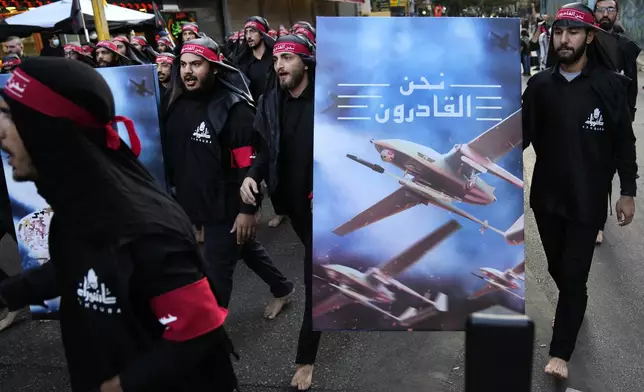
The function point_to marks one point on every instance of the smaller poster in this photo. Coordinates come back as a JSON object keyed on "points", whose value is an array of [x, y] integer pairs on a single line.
{"points": [[135, 91], [174, 21]]}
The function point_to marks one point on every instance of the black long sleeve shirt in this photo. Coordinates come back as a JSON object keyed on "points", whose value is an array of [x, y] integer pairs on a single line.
{"points": [[581, 132], [201, 161]]}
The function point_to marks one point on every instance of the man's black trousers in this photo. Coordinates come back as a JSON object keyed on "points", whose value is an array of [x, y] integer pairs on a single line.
{"points": [[569, 248], [309, 341], [221, 254]]}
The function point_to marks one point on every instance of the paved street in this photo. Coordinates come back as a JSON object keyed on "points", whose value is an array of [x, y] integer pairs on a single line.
{"points": [[607, 358]]}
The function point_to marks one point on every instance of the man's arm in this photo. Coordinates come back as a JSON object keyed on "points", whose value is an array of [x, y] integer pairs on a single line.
{"points": [[242, 139], [31, 287], [625, 153], [168, 274], [260, 164]]}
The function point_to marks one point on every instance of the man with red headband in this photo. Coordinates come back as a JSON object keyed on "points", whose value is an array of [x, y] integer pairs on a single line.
{"points": [[164, 70], [137, 311], [74, 51], [107, 54], [140, 43], [285, 162], [208, 136], [577, 118], [257, 59], [10, 62], [189, 31], [165, 44]]}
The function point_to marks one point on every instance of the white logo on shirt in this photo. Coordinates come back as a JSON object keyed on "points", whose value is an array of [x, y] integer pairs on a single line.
{"points": [[96, 296], [595, 121], [169, 319], [201, 134]]}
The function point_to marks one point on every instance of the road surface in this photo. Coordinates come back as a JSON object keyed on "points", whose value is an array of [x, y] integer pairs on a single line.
{"points": [[607, 358]]}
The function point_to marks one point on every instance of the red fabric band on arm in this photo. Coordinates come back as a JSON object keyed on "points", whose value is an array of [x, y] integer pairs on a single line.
{"points": [[243, 156], [311, 196], [189, 311]]}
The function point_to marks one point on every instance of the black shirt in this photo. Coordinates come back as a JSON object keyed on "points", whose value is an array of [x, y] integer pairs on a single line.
{"points": [[296, 150], [257, 71], [199, 160], [581, 132]]}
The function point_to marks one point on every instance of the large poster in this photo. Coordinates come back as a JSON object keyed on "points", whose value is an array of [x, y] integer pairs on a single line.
{"points": [[135, 91], [418, 190]]}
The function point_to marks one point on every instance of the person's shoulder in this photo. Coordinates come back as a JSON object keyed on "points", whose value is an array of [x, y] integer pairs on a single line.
{"points": [[540, 78]]}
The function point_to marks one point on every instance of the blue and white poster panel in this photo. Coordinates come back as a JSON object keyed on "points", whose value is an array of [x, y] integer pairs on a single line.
{"points": [[418, 190], [135, 90]]}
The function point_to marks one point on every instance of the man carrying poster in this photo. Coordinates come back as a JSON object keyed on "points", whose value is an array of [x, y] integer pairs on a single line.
{"points": [[577, 117], [285, 121], [139, 310]]}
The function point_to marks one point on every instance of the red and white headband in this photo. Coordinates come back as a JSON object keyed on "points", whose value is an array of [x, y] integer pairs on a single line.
{"points": [[190, 27], [139, 41], [291, 47], [12, 63], [576, 15], [251, 24], [121, 39], [23, 88], [74, 48], [108, 45], [163, 59], [202, 51]]}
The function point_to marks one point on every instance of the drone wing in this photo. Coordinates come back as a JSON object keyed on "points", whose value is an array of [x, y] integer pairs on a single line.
{"points": [[334, 302], [488, 288], [411, 255]]}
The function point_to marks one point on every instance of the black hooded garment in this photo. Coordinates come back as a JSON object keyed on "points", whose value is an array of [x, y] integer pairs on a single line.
{"points": [[122, 251], [257, 70]]}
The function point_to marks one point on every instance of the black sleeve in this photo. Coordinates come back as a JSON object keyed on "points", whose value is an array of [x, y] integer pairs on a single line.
{"points": [[31, 287], [625, 154], [529, 114], [240, 136], [262, 154], [164, 267]]}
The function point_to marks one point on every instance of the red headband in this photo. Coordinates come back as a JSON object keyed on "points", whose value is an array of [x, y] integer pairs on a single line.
{"points": [[576, 15], [108, 45], [121, 39], [202, 51], [74, 48], [306, 33], [164, 40], [162, 59], [291, 47], [254, 25], [12, 63], [190, 27], [35, 95], [139, 40]]}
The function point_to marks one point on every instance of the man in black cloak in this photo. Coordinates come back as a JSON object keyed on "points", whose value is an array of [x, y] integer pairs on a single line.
{"points": [[208, 136], [74, 51], [256, 60], [577, 118], [285, 161], [606, 13], [129, 51], [141, 44], [137, 311], [106, 54]]}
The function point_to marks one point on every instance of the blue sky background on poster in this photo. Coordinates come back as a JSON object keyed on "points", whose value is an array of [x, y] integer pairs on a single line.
{"points": [[141, 109], [355, 80]]}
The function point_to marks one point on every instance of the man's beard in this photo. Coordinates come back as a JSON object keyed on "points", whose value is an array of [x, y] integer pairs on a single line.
{"points": [[574, 57], [606, 24], [295, 79]]}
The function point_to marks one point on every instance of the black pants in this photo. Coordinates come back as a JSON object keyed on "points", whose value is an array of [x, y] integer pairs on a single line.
{"points": [[6, 227], [569, 248], [221, 253], [309, 341]]}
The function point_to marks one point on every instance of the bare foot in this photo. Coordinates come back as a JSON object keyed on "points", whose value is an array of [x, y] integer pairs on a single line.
{"points": [[275, 305], [557, 367], [303, 377], [8, 320], [600, 237], [276, 221]]}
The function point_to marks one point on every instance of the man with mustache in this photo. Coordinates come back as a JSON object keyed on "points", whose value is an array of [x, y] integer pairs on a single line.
{"points": [[257, 59], [164, 70], [577, 118], [285, 162], [606, 13], [208, 136], [108, 55]]}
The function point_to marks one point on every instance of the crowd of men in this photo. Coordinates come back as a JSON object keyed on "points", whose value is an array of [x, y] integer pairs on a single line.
{"points": [[236, 116], [233, 117]]}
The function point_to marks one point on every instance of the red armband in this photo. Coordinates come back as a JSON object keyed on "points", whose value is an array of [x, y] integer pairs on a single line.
{"points": [[242, 157], [311, 196], [189, 311]]}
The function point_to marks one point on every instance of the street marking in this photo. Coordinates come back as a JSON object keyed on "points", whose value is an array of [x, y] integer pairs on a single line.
{"points": [[572, 390]]}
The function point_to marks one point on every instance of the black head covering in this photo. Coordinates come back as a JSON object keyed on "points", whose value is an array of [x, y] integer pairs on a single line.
{"points": [[308, 56], [10, 61], [134, 55], [229, 76], [101, 193], [603, 50], [147, 51]]}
